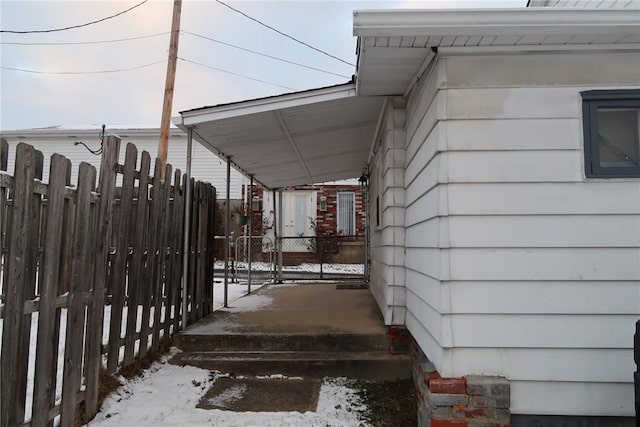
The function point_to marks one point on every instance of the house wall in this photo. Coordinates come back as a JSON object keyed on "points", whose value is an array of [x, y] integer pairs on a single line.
{"points": [[205, 166], [516, 264], [387, 231]]}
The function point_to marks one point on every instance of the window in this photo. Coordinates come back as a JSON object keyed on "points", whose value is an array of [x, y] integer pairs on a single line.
{"points": [[346, 214], [611, 121]]}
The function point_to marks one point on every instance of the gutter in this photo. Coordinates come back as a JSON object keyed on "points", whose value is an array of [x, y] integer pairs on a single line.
{"points": [[478, 22]]}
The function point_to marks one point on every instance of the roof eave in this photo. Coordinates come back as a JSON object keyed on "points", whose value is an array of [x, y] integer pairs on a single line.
{"points": [[194, 117]]}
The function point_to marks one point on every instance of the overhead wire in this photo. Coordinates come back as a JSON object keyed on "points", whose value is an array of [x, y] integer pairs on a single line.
{"points": [[83, 72], [235, 74], [265, 55], [74, 26], [85, 42], [284, 34]]}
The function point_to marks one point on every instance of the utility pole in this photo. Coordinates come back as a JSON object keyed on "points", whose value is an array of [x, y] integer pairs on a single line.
{"points": [[163, 144]]}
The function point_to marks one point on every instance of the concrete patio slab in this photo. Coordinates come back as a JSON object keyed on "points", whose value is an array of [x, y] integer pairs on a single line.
{"points": [[262, 395]]}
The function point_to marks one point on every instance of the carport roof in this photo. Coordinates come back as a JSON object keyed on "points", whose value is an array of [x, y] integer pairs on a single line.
{"points": [[299, 138]]}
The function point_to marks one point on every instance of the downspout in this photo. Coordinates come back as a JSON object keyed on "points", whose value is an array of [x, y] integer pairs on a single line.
{"points": [[187, 226]]}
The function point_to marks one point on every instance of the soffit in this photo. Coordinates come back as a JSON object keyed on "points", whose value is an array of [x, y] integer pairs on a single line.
{"points": [[302, 138], [394, 45]]}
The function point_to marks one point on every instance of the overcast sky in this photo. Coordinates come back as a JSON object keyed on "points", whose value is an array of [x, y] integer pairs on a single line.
{"points": [[134, 97]]}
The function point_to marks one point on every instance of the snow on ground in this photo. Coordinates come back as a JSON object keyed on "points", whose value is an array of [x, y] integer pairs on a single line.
{"points": [[355, 269], [167, 395]]}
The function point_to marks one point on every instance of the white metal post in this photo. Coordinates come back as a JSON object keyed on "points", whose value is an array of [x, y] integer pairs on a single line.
{"points": [[227, 229], [187, 226], [281, 229], [250, 213]]}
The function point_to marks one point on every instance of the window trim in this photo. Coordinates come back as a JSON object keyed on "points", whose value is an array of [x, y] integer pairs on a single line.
{"points": [[591, 100]]}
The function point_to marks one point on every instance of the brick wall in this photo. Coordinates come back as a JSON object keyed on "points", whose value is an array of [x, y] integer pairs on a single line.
{"points": [[472, 401]]}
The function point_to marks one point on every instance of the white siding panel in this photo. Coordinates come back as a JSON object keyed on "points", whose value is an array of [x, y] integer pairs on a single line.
{"points": [[427, 289], [609, 264], [553, 297], [544, 69], [538, 231], [593, 197], [516, 134], [426, 341], [433, 262], [429, 121], [515, 166], [549, 331], [513, 103], [547, 364], [421, 206], [431, 317], [572, 398], [423, 99], [425, 156], [426, 234]]}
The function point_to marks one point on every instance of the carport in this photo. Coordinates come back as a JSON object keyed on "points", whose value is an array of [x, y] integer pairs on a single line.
{"points": [[300, 138]]}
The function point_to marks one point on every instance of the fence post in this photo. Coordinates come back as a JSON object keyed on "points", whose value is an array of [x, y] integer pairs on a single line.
{"points": [[106, 190]]}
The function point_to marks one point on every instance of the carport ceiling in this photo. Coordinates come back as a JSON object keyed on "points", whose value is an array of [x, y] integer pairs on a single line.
{"points": [[301, 138]]}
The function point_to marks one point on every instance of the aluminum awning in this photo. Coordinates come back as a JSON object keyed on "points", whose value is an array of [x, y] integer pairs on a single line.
{"points": [[300, 138]]}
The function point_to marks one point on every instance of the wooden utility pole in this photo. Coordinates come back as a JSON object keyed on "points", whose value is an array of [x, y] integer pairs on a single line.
{"points": [[163, 144]]}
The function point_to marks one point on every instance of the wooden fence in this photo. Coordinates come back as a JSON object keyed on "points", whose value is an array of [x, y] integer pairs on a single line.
{"points": [[76, 259]]}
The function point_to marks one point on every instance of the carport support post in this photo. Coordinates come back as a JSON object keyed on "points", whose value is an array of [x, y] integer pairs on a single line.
{"points": [[280, 228], [227, 227], [187, 226], [250, 212]]}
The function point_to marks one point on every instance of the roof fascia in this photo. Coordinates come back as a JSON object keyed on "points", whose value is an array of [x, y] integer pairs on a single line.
{"points": [[191, 118], [568, 48], [478, 22]]}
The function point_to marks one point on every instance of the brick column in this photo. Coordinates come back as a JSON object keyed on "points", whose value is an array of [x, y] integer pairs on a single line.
{"points": [[472, 401]]}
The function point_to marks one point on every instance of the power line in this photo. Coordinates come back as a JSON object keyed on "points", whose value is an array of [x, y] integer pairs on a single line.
{"points": [[235, 74], [74, 26], [81, 43], [83, 72], [284, 34], [266, 55]]}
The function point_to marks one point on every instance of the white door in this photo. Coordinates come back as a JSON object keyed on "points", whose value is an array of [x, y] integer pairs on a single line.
{"points": [[298, 217]]}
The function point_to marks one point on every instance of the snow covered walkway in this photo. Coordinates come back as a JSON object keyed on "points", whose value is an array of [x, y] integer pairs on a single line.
{"points": [[166, 395]]}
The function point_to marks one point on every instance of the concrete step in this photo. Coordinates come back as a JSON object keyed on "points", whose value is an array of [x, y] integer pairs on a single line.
{"points": [[371, 365], [282, 342]]}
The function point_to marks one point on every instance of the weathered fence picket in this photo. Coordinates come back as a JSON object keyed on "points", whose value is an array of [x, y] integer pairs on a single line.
{"points": [[81, 268], [14, 351], [64, 259], [45, 373], [104, 229]]}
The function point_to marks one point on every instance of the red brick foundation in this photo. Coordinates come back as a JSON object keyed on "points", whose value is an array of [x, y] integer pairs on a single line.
{"points": [[472, 401]]}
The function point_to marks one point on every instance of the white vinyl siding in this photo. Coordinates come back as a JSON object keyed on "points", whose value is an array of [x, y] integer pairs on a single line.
{"points": [[387, 233], [516, 264], [346, 219], [205, 165]]}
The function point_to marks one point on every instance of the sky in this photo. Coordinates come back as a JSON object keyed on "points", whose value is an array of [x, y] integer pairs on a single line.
{"points": [[92, 91]]}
